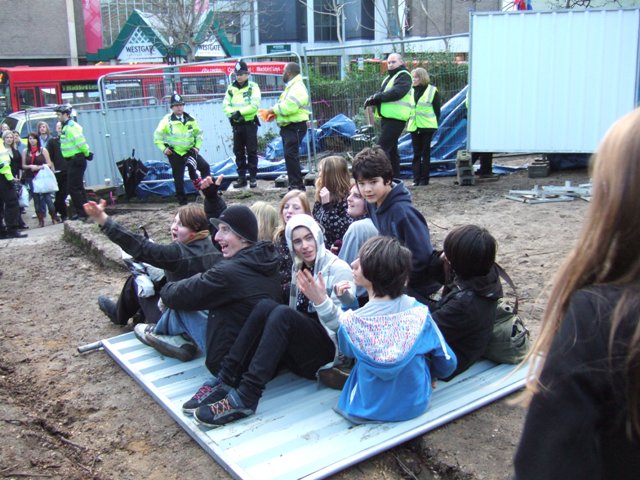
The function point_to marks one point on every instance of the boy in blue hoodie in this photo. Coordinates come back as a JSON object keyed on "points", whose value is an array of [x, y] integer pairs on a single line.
{"points": [[398, 347], [393, 214]]}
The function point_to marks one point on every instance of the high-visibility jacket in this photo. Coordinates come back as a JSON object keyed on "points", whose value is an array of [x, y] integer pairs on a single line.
{"points": [[424, 116], [5, 163], [245, 99], [181, 137], [291, 106], [397, 109], [72, 141]]}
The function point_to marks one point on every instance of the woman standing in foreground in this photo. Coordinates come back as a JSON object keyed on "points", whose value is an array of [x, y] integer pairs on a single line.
{"points": [[584, 417]]}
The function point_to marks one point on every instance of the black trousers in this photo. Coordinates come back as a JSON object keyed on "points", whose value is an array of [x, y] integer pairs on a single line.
{"points": [[76, 166], [391, 131], [274, 335], [178, 163], [61, 195], [421, 141], [245, 148], [129, 303], [292, 136], [9, 199], [486, 162]]}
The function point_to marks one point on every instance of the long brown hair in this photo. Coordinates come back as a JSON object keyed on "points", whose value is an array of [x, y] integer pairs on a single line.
{"points": [[333, 173], [607, 250]]}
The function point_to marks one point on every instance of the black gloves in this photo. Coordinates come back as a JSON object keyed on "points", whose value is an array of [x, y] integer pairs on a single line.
{"points": [[211, 191], [89, 157], [237, 117], [372, 100]]}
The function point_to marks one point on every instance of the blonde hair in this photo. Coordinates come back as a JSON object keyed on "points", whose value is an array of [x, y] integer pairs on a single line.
{"points": [[606, 252], [422, 75], [333, 173], [267, 217], [304, 200]]}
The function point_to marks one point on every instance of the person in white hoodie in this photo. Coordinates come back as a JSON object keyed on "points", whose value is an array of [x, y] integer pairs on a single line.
{"points": [[300, 336], [398, 348]]}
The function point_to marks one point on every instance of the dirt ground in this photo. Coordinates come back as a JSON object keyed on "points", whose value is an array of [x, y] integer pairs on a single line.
{"points": [[71, 416]]}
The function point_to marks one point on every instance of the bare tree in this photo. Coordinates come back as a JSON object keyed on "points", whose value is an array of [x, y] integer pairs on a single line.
{"points": [[331, 8], [180, 21]]}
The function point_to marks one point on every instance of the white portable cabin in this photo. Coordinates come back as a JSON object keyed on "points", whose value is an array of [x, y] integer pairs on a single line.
{"points": [[550, 81]]}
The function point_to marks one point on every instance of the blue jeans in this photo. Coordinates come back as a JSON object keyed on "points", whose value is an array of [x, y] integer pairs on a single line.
{"points": [[193, 323]]}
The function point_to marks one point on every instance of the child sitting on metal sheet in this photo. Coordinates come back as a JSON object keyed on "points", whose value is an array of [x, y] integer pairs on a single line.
{"points": [[398, 348], [467, 310], [392, 213]]}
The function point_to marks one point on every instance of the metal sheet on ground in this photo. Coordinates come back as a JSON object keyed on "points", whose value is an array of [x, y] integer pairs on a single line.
{"points": [[295, 433]]}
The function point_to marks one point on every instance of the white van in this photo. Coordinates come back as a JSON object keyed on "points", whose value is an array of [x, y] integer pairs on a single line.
{"points": [[26, 121]]}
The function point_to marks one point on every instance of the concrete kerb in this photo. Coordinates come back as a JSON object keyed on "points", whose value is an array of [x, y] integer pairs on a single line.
{"points": [[94, 244]]}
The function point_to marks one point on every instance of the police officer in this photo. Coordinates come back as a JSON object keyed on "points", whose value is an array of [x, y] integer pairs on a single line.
{"points": [[240, 105], [75, 151], [179, 137], [8, 198], [394, 105], [292, 116]]}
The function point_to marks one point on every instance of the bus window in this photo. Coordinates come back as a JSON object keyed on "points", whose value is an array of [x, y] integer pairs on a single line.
{"points": [[48, 95], [26, 98]]}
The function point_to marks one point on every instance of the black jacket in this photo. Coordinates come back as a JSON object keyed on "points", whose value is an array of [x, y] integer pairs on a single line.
{"points": [[55, 153], [401, 85], [178, 260], [465, 316], [229, 291], [397, 217], [577, 425]]}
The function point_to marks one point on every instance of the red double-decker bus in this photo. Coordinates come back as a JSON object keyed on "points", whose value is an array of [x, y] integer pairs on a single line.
{"points": [[23, 88]]}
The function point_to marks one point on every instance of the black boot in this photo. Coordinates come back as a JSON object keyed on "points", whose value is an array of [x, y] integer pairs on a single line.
{"points": [[16, 234], [253, 183], [109, 308], [240, 183]]}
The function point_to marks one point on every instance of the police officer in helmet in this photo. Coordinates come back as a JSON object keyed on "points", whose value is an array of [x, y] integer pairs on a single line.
{"points": [[240, 105], [179, 137], [74, 148]]}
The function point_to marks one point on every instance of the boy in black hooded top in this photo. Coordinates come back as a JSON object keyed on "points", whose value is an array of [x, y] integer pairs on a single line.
{"points": [[393, 214]]}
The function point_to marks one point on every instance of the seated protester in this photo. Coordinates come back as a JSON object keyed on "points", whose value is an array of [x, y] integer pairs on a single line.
{"points": [[300, 336], [190, 252], [293, 203], [398, 348], [230, 290], [393, 214], [467, 310], [330, 207], [267, 217], [358, 232]]}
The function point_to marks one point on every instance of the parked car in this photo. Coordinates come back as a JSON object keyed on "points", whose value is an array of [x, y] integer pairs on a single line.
{"points": [[26, 121]]}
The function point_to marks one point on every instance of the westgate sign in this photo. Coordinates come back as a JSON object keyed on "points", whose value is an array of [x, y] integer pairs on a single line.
{"points": [[139, 49]]}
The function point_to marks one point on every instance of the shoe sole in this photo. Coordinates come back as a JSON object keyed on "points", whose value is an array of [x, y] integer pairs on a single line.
{"points": [[168, 351], [142, 338]]}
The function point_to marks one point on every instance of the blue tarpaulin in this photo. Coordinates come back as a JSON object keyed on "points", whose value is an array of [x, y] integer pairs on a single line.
{"points": [[338, 131]]}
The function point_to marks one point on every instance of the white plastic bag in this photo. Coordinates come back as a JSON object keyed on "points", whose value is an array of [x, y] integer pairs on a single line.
{"points": [[23, 197], [45, 181]]}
